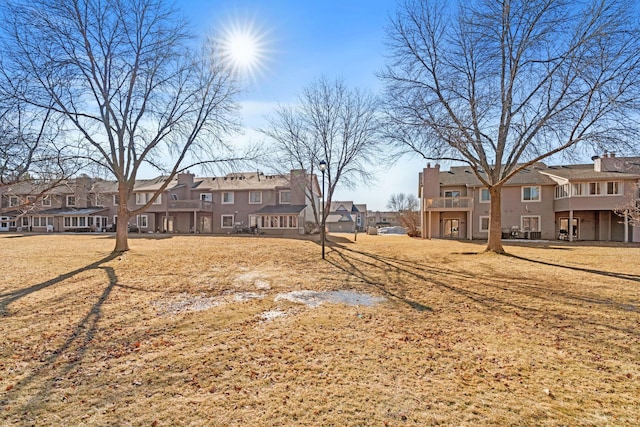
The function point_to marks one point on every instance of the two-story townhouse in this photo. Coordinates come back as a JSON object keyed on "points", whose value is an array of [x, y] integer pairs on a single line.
{"points": [[346, 217], [540, 202], [70, 205], [274, 204]]}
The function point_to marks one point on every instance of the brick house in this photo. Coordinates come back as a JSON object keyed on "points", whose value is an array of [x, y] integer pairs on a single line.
{"points": [[569, 202], [275, 204]]}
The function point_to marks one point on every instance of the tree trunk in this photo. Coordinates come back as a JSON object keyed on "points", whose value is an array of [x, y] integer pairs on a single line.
{"points": [[494, 244], [122, 230]]}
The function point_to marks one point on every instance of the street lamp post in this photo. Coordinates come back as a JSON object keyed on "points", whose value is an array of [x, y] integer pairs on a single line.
{"points": [[323, 168]]}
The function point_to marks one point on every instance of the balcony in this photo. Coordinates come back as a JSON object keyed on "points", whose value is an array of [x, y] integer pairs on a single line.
{"points": [[189, 205], [448, 204]]}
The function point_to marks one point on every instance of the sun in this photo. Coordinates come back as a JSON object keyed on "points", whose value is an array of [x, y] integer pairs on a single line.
{"points": [[245, 48]]}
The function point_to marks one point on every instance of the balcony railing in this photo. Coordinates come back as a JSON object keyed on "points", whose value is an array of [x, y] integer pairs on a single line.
{"points": [[450, 203], [191, 205]]}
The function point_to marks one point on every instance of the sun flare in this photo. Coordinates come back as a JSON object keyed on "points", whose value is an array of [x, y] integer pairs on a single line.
{"points": [[245, 47]]}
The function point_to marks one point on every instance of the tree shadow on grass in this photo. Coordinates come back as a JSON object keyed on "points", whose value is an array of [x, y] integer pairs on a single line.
{"points": [[496, 292], [632, 277], [77, 342], [9, 297]]}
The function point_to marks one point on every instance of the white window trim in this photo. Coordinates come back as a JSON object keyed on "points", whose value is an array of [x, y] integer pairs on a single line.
{"points": [[480, 199], [280, 193], [142, 219], [232, 197], [46, 200], [522, 199], [12, 203], [116, 202], [75, 201], [258, 202], [606, 189], [530, 216], [222, 217], [206, 197], [480, 223]]}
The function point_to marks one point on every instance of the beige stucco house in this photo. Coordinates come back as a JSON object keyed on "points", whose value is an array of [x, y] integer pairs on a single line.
{"points": [[274, 204], [568, 202]]}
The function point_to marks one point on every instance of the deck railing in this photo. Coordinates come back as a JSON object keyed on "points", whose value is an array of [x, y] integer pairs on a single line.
{"points": [[448, 203]]}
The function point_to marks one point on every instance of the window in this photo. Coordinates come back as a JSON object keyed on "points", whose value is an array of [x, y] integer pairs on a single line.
{"points": [[116, 200], [578, 189], [255, 197], [531, 194], [46, 201], [25, 221], [71, 200], [562, 191], [14, 201], [227, 221], [31, 200], [142, 221], [594, 188], [530, 223], [614, 188], [227, 197], [143, 198], [485, 196], [174, 197], [484, 223], [285, 197], [277, 221], [42, 221], [206, 197]]}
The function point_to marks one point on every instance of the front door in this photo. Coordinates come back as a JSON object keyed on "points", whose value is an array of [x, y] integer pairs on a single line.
{"points": [[451, 228], [564, 228], [167, 224], [6, 222]]}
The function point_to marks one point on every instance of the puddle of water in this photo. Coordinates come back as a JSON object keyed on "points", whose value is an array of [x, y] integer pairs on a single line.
{"points": [[314, 298]]}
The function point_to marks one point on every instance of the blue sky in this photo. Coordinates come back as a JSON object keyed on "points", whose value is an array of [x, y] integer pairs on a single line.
{"points": [[303, 40]]}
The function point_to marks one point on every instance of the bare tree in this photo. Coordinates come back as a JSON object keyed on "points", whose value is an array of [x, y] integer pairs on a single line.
{"points": [[500, 85], [631, 210], [124, 77], [330, 122], [31, 150], [407, 206]]}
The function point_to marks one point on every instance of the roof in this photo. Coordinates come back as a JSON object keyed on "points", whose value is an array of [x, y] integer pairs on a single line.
{"points": [[539, 174], [338, 217], [576, 173], [464, 176], [281, 209]]}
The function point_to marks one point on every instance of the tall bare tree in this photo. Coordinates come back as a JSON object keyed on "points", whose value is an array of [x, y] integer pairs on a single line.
{"points": [[330, 122], [407, 206], [31, 149], [123, 75], [500, 85]]}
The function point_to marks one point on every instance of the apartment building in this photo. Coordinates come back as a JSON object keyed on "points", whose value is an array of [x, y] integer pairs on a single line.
{"points": [[567, 202], [273, 204]]}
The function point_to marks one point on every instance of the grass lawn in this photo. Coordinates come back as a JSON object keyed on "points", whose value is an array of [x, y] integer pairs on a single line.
{"points": [[197, 330]]}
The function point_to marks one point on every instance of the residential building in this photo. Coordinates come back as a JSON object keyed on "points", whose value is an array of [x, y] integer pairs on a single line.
{"points": [[274, 204], [572, 202], [346, 217], [379, 219]]}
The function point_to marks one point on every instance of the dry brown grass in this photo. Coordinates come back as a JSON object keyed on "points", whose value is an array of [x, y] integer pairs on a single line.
{"points": [[547, 336]]}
